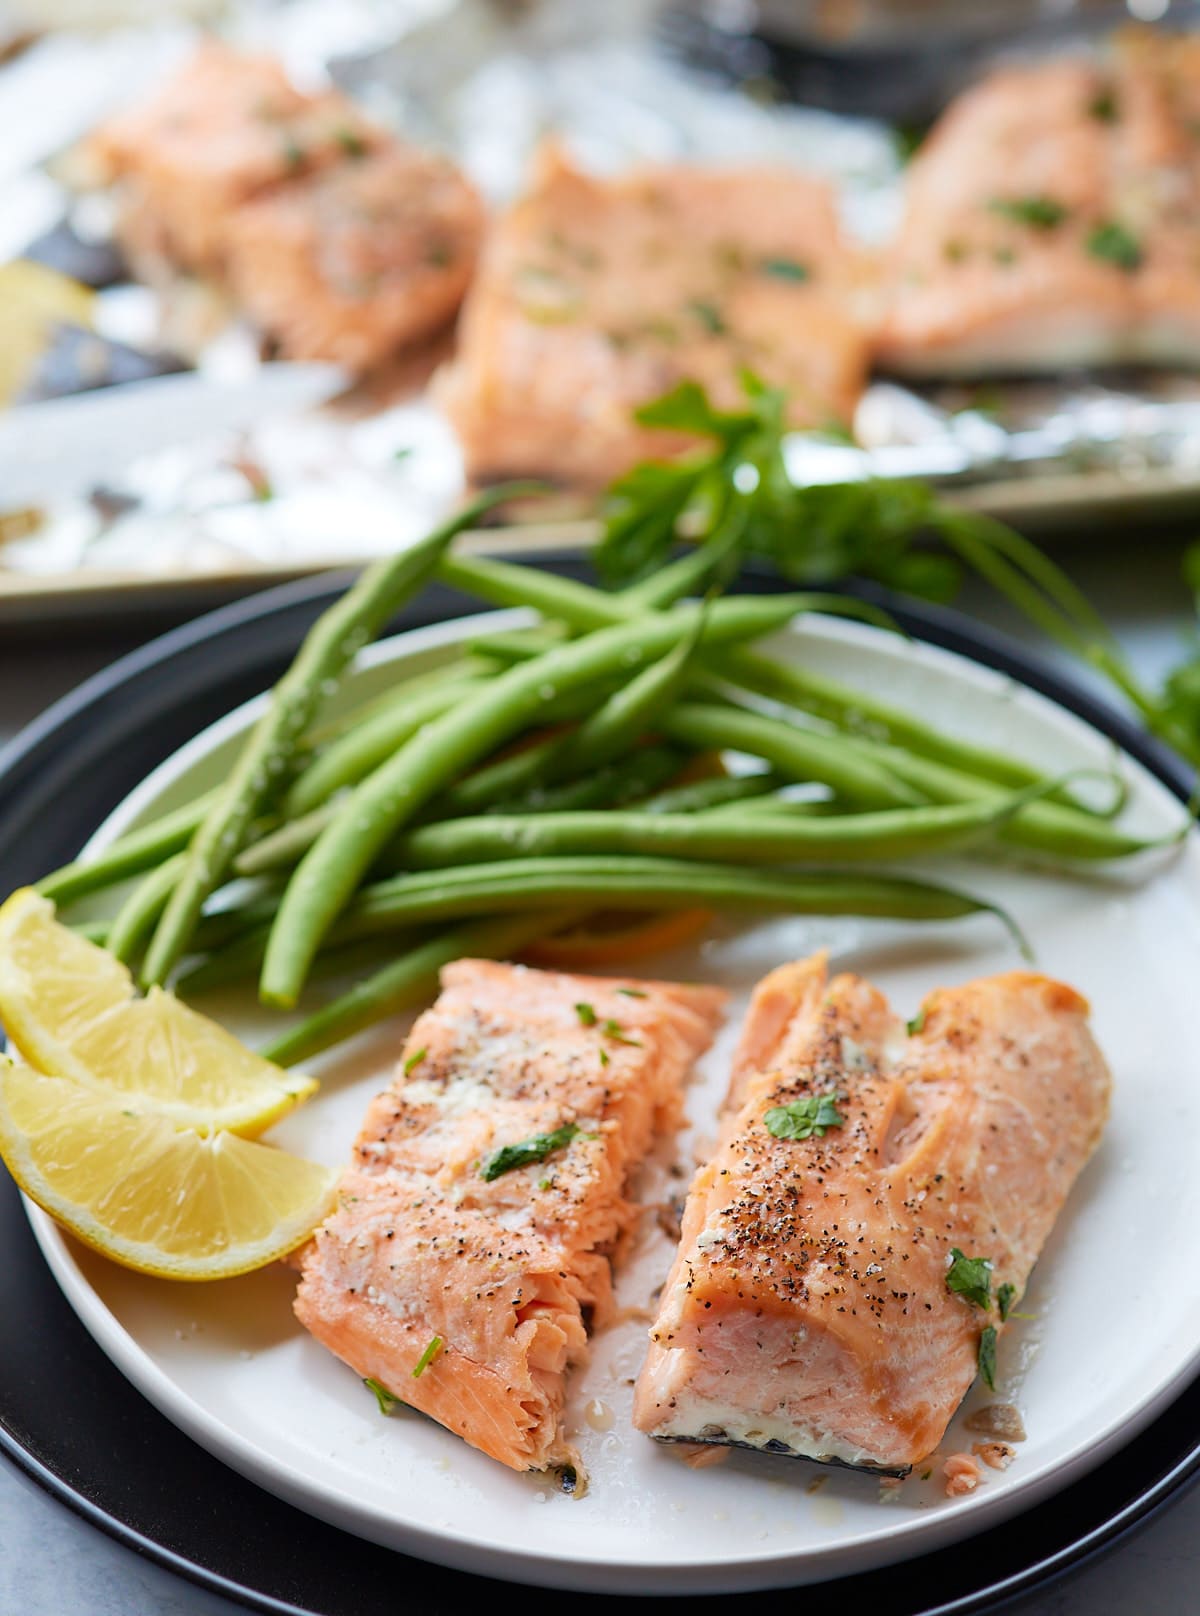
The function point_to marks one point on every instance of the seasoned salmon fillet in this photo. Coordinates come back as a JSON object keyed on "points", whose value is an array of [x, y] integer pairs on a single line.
{"points": [[1053, 219], [814, 1307], [595, 296], [489, 1189], [225, 127], [360, 259], [340, 241]]}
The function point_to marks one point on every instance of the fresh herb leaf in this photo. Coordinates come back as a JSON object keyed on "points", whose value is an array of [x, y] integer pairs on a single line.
{"points": [[586, 1014], [970, 1277], [1103, 105], [527, 1151], [387, 1400], [633, 993], [351, 142], [1005, 1296], [612, 1029], [293, 152], [1116, 245], [987, 1356], [917, 1024], [709, 316], [801, 1119], [431, 1351], [1039, 212], [785, 269], [415, 1060], [604, 1057]]}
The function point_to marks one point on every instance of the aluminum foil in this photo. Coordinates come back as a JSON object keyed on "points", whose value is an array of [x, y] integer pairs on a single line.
{"points": [[486, 80]]}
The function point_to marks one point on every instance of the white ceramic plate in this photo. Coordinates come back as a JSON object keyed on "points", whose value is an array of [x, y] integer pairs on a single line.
{"points": [[1116, 1327]]}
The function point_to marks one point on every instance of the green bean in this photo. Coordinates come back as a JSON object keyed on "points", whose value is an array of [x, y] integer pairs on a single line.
{"points": [[242, 955], [405, 982], [359, 750], [138, 915], [1048, 827], [642, 772], [801, 754], [444, 748], [267, 756], [785, 807], [764, 839], [852, 711], [137, 850], [643, 883], [724, 790]]}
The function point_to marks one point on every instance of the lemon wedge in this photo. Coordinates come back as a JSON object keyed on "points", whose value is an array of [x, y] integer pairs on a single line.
{"points": [[154, 1197], [72, 1011]]}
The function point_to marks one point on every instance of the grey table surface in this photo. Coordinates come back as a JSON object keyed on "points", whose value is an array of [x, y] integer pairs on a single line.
{"points": [[53, 1564]]}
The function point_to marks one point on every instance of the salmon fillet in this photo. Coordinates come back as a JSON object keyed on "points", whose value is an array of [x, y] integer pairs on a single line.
{"points": [[360, 259], [509, 1267], [225, 127], [340, 241], [1053, 219], [595, 296], [809, 1309]]}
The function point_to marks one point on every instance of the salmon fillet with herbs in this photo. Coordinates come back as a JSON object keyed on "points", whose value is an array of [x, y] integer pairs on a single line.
{"points": [[224, 128], [876, 1202], [472, 1246], [597, 295], [340, 241], [1053, 219]]}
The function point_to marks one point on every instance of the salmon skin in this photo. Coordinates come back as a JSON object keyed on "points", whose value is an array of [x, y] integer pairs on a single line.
{"points": [[597, 295], [810, 1309], [1052, 219], [441, 1233]]}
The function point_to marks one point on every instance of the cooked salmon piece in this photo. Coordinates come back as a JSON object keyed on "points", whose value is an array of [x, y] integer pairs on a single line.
{"points": [[489, 1190], [224, 128], [814, 1307], [1052, 219], [358, 259], [595, 296]]}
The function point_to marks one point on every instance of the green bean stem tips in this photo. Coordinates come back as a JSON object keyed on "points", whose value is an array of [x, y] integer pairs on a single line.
{"points": [[266, 759]]}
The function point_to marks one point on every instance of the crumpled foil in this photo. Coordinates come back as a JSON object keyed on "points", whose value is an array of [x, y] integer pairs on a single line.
{"points": [[486, 80]]}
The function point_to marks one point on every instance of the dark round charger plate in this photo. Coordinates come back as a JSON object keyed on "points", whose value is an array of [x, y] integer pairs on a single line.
{"points": [[72, 1422]]}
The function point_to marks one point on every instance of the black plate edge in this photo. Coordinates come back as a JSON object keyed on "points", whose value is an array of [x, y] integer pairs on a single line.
{"points": [[43, 743]]}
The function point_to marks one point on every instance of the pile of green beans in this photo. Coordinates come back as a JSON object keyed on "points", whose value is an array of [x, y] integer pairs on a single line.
{"points": [[548, 774]]}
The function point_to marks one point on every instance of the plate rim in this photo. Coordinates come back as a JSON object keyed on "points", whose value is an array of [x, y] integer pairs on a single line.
{"points": [[941, 627]]}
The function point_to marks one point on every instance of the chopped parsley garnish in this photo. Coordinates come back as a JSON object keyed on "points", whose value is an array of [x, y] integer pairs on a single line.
{"points": [[439, 254], [1004, 256], [527, 1151], [604, 1057], [917, 1024], [987, 1356], [954, 251], [414, 1060], [970, 1277], [1006, 1295], [1103, 105], [293, 152], [612, 1029], [351, 142], [801, 1119], [709, 316], [1114, 243], [387, 1400], [632, 993], [785, 269], [1039, 212], [586, 1014], [431, 1351]]}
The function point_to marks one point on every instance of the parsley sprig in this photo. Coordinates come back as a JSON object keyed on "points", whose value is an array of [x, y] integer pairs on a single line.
{"points": [[813, 1115], [733, 492], [527, 1151]]}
